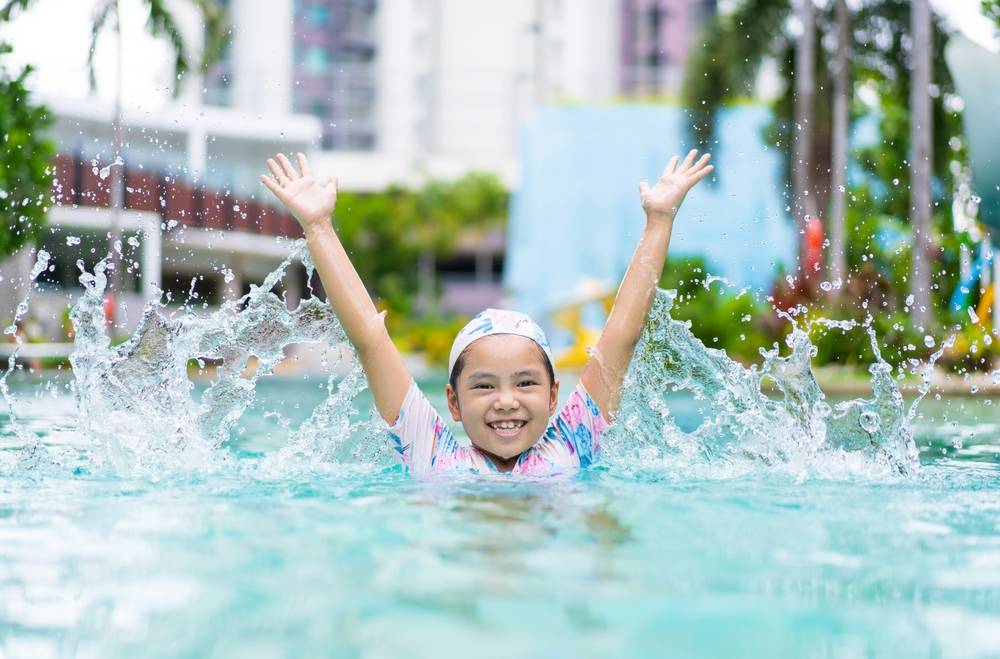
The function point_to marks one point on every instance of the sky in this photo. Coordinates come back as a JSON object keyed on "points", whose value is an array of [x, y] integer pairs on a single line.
{"points": [[54, 36]]}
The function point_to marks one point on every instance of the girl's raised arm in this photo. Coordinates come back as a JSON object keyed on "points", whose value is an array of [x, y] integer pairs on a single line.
{"points": [[604, 372], [312, 202]]}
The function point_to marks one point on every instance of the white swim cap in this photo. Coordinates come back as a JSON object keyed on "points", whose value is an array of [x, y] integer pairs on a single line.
{"points": [[498, 321]]}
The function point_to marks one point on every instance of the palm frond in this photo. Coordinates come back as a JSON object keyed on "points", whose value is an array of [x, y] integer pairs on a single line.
{"points": [[100, 18], [217, 31], [161, 23], [726, 65], [12, 6]]}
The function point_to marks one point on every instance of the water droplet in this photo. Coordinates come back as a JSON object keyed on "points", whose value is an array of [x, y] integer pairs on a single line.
{"points": [[909, 300], [72, 240], [895, 181], [973, 316], [869, 422], [929, 341]]}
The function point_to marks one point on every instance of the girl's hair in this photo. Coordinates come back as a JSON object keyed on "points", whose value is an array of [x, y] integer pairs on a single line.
{"points": [[460, 364]]}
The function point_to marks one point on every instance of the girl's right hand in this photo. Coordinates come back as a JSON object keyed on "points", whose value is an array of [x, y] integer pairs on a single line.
{"points": [[309, 201], [664, 198]]}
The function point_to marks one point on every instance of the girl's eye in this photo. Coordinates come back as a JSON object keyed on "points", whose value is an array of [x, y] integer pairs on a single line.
{"points": [[482, 386], [526, 383]]}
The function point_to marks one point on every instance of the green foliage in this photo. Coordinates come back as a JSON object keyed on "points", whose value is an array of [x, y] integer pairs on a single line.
{"points": [[431, 336], [882, 70], [25, 177], [720, 318], [385, 233], [991, 9], [725, 67], [723, 70], [878, 252]]}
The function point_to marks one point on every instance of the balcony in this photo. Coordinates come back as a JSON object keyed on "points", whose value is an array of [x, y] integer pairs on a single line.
{"points": [[78, 183]]}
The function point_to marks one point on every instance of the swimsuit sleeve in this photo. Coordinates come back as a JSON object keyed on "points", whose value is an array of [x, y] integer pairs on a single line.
{"points": [[413, 436], [581, 425]]}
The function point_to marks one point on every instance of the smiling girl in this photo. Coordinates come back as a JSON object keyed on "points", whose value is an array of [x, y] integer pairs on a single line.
{"points": [[502, 386]]}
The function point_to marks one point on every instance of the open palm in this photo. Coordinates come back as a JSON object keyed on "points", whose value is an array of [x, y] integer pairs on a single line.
{"points": [[308, 200], [665, 197]]}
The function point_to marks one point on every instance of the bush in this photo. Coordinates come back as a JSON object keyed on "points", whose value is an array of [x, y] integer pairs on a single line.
{"points": [[25, 178]]}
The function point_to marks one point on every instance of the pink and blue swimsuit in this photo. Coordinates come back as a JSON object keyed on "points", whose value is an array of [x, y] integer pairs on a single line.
{"points": [[425, 443]]}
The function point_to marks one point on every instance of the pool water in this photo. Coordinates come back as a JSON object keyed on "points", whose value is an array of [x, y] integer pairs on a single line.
{"points": [[357, 559]]}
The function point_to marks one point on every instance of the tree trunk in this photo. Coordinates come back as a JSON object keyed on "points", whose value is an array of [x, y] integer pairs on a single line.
{"points": [[804, 203], [920, 161], [838, 179], [115, 277]]}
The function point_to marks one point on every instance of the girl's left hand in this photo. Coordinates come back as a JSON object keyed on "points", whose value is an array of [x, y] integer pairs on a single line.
{"points": [[663, 199]]}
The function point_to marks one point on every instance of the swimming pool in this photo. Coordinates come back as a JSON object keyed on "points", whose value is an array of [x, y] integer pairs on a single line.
{"points": [[352, 560], [735, 511]]}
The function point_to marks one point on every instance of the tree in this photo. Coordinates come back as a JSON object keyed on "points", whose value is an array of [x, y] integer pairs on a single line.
{"points": [[396, 237], [726, 68], [735, 45], [921, 127], [25, 178], [805, 87], [160, 24], [839, 145], [991, 8]]}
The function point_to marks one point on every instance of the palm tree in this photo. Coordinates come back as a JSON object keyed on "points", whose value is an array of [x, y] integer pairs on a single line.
{"points": [[805, 87], [878, 47], [921, 135], [735, 46], [160, 24], [838, 147]]}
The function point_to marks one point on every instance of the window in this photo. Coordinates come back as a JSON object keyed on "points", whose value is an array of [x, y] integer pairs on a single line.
{"points": [[317, 60], [318, 16]]}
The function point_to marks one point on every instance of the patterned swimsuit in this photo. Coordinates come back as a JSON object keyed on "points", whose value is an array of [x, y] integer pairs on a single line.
{"points": [[425, 444]]}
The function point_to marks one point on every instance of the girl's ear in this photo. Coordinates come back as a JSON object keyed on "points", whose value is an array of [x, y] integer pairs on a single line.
{"points": [[553, 397], [452, 397]]}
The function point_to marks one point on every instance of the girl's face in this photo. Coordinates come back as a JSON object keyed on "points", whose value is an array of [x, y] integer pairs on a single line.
{"points": [[504, 398]]}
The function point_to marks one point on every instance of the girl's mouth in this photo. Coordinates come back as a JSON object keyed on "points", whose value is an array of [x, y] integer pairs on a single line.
{"points": [[507, 429]]}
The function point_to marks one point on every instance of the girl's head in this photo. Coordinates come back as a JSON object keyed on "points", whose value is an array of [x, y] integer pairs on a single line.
{"points": [[502, 386]]}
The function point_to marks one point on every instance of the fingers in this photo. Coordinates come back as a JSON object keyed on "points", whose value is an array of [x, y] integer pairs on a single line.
{"points": [[688, 160], [271, 185], [698, 175], [643, 189], [286, 165], [277, 172], [303, 164], [669, 169], [332, 183]]}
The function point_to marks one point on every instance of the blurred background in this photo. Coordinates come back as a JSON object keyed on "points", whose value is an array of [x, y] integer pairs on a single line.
{"points": [[489, 154]]}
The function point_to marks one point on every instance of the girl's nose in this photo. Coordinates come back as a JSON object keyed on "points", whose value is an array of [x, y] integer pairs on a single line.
{"points": [[506, 401]]}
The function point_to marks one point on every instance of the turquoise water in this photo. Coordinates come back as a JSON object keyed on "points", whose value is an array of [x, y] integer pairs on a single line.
{"points": [[362, 561]]}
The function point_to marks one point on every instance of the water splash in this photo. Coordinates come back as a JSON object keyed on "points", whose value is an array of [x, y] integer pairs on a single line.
{"points": [[794, 428], [140, 413], [138, 406], [27, 439]]}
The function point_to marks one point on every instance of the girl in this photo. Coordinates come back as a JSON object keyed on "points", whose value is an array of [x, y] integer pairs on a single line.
{"points": [[502, 386]]}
